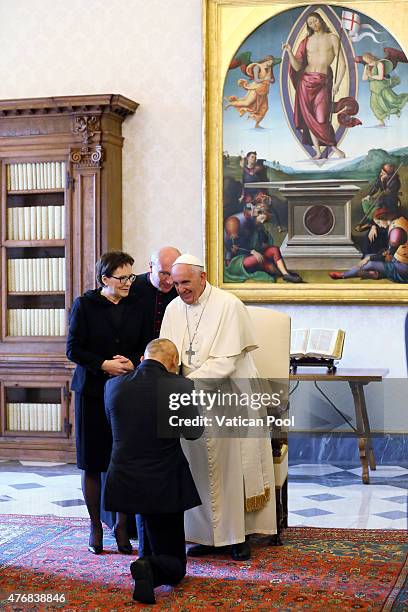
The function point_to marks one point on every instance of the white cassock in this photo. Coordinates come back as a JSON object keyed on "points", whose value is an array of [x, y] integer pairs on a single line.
{"points": [[231, 474]]}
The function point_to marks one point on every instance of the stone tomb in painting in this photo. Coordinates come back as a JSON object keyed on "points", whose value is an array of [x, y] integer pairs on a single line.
{"points": [[319, 222]]}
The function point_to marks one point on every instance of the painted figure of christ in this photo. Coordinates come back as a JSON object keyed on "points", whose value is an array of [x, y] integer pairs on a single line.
{"points": [[312, 76]]}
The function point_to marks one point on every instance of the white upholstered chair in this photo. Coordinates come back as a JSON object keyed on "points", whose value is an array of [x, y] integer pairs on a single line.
{"points": [[272, 331]]}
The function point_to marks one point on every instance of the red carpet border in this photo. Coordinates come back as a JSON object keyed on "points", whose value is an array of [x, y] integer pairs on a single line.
{"points": [[315, 570]]}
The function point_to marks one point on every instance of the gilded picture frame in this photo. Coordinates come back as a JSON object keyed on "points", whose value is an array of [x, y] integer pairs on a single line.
{"points": [[307, 198]]}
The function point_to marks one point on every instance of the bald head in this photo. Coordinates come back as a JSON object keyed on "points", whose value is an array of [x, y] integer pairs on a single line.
{"points": [[161, 262], [164, 351]]}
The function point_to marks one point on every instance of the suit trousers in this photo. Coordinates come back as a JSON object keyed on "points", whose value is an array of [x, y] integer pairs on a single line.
{"points": [[164, 534]]}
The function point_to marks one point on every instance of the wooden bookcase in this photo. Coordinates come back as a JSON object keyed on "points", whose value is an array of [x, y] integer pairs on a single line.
{"points": [[60, 209]]}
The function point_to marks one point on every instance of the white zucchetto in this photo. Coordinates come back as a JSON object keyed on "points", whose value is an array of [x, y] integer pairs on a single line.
{"points": [[189, 259]]}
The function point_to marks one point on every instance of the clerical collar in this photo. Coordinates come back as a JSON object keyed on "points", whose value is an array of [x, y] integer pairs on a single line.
{"points": [[204, 296]]}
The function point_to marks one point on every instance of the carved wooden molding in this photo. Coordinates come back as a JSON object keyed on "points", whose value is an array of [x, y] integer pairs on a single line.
{"points": [[87, 125], [102, 103], [88, 154]]}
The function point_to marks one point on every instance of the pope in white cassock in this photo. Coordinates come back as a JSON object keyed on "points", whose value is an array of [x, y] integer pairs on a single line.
{"points": [[234, 476]]}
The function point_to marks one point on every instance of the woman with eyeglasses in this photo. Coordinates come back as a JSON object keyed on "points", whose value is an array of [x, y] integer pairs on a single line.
{"points": [[105, 339]]}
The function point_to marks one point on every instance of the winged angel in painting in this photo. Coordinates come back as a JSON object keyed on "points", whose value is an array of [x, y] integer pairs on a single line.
{"points": [[255, 102]]}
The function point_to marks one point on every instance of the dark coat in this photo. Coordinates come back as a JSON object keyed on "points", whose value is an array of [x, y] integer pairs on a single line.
{"points": [[147, 474], [148, 294], [93, 338]]}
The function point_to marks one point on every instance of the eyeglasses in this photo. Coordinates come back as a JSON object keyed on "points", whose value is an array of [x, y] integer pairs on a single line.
{"points": [[124, 279]]}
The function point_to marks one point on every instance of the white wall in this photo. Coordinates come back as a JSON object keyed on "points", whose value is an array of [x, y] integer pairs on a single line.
{"points": [[150, 51]]}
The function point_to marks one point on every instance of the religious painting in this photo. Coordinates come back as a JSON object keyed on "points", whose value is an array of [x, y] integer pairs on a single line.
{"points": [[306, 150]]}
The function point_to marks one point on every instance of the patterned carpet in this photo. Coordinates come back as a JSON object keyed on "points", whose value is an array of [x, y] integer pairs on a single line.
{"points": [[316, 569]]}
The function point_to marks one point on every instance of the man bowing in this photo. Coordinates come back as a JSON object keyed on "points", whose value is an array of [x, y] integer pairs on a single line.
{"points": [[234, 476]]}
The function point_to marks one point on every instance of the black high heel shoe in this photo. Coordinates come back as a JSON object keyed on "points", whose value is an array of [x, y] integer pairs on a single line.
{"points": [[125, 549], [94, 547]]}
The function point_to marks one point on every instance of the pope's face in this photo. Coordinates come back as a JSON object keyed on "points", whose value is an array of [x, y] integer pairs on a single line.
{"points": [[188, 282]]}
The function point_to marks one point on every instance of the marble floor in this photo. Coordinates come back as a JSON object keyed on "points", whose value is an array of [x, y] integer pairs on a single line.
{"points": [[320, 495]]}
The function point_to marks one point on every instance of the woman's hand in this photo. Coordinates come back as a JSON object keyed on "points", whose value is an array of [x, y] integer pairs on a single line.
{"points": [[125, 362], [117, 366]]}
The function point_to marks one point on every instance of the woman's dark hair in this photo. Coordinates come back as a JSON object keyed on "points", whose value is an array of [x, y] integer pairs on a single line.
{"points": [[109, 262], [323, 24]]}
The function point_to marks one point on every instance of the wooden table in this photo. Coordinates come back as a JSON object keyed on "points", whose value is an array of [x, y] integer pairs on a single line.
{"points": [[357, 379]]}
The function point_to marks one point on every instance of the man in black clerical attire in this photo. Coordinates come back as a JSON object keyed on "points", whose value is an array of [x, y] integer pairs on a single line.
{"points": [[149, 474], [155, 288]]}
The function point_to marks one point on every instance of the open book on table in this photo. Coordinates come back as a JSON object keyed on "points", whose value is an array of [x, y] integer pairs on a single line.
{"points": [[318, 343]]}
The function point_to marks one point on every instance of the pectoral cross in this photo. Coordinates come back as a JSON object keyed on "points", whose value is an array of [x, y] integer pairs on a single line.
{"points": [[190, 353]]}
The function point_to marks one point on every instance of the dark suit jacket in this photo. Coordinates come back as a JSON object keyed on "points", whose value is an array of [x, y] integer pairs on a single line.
{"points": [[93, 337], [147, 474]]}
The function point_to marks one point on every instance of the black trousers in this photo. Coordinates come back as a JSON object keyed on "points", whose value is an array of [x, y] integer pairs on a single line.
{"points": [[163, 545]]}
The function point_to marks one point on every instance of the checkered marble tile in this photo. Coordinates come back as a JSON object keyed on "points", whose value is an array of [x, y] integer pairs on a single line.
{"points": [[311, 512], [312, 469], [41, 488], [329, 495], [67, 503], [385, 471], [324, 497], [393, 514], [399, 499], [347, 502], [27, 485]]}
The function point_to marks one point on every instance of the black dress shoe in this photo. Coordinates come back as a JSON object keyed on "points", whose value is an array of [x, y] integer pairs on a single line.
{"points": [[241, 552], [125, 547], [143, 576], [95, 541], [95, 549], [275, 540], [201, 550]]}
